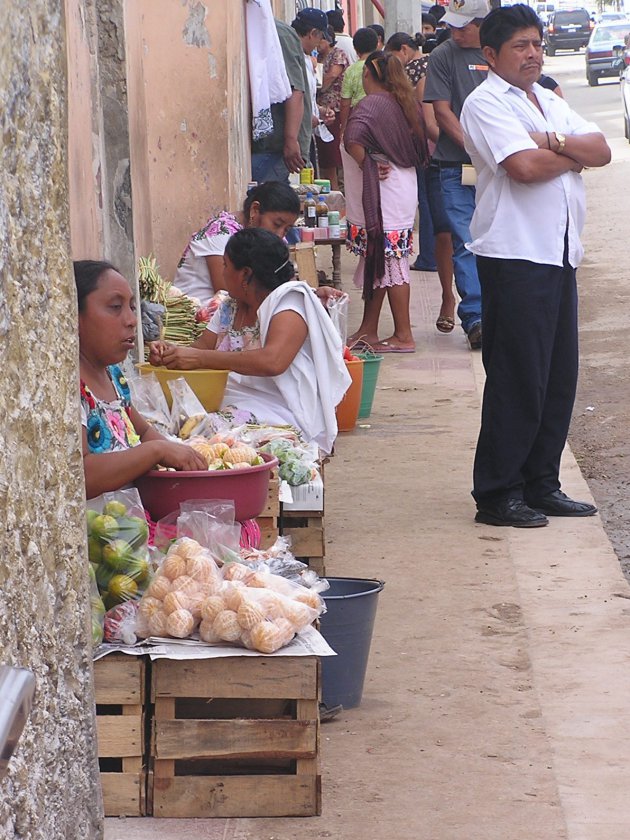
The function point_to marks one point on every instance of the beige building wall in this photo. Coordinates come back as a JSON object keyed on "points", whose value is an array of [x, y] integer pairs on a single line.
{"points": [[84, 152], [189, 118]]}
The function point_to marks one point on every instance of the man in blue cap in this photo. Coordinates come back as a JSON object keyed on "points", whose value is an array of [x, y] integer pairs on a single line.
{"points": [[286, 149]]}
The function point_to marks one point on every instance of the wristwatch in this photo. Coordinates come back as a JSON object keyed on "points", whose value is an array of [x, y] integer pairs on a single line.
{"points": [[561, 142]]}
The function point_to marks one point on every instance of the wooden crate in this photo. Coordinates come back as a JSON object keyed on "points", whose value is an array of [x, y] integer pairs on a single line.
{"points": [[306, 530], [119, 682], [269, 519], [236, 737]]}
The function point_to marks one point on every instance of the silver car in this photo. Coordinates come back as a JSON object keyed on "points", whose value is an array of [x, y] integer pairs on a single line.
{"points": [[604, 52]]}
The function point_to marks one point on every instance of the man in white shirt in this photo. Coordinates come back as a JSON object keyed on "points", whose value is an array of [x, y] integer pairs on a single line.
{"points": [[343, 41], [528, 148]]}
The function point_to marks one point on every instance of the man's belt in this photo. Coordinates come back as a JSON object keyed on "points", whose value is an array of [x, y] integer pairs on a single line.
{"points": [[448, 164]]}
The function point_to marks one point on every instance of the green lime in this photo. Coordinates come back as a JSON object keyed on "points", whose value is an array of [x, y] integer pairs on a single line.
{"points": [[97, 632], [122, 587], [94, 550], [117, 555], [104, 527], [134, 530], [98, 607], [115, 509], [139, 569]]}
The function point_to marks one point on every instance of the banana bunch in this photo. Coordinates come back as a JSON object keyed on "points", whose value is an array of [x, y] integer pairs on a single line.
{"points": [[189, 426]]}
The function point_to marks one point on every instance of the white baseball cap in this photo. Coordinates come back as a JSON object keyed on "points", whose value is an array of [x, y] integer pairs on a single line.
{"points": [[462, 12]]}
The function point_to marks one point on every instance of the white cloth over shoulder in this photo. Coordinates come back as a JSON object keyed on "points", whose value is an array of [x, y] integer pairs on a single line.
{"points": [[268, 80], [513, 220], [306, 394]]}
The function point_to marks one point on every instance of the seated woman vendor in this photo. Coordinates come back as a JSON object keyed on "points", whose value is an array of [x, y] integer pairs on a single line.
{"points": [[272, 206], [292, 370], [118, 443]]}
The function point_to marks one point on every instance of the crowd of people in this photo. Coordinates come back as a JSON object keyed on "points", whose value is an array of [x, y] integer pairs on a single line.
{"points": [[455, 126]]}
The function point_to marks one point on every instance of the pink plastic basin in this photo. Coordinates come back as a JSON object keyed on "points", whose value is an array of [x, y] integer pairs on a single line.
{"points": [[162, 491]]}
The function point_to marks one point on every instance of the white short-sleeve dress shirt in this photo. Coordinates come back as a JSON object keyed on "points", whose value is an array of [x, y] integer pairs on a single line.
{"points": [[514, 220]]}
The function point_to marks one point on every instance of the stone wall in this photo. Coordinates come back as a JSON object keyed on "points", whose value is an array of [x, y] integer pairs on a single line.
{"points": [[52, 790]]}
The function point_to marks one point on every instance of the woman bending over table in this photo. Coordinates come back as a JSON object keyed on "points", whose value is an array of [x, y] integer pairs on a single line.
{"points": [[284, 354]]}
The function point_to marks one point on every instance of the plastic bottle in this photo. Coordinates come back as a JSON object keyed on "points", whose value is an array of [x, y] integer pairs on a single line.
{"points": [[310, 211], [322, 213]]}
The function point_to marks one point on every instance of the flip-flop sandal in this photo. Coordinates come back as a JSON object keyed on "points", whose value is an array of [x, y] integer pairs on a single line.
{"points": [[445, 324], [386, 347]]}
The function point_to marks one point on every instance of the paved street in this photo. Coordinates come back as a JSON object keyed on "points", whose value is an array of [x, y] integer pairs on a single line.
{"points": [[495, 706]]}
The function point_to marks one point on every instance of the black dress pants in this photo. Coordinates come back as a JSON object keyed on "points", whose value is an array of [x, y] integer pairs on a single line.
{"points": [[530, 354]]}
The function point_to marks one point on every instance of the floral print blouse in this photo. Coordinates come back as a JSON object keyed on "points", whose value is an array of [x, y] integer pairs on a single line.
{"points": [[108, 424], [331, 98], [416, 69], [229, 339]]}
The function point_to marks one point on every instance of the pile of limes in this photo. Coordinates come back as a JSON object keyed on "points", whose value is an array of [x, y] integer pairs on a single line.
{"points": [[117, 548]]}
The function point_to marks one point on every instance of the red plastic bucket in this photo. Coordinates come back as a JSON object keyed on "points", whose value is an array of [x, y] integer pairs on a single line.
{"points": [[348, 408]]}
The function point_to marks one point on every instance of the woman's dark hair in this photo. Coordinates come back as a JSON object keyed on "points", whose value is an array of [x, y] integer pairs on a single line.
{"points": [[437, 11], [335, 19], [365, 40], [429, 19], [264, 253], [501, 24], [386, 69], [401, 39], [380, 32], [332, 36], [87, 273], [273, 197]]}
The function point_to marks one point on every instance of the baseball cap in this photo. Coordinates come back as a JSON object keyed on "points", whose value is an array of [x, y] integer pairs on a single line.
{"points": [[314, 18], [462, 12]]}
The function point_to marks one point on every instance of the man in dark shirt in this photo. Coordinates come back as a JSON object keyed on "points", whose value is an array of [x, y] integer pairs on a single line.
{"points": [[287, 148], [456, 67]]}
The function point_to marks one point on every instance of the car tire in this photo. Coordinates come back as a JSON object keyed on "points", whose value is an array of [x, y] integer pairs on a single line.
{"points": [[592, 79], [551, 50]]}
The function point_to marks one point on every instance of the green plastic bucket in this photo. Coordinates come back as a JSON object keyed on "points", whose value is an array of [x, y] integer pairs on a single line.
{"points": [[371, 367]]}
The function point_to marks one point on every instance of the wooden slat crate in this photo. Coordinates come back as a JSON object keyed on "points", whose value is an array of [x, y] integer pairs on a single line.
{"points": [[119, 682], [269, 519], [236, 737], [306, 529]]}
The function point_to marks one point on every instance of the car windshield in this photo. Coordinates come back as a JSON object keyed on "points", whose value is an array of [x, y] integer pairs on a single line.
{"points": [[567, 18], [610, 34]]}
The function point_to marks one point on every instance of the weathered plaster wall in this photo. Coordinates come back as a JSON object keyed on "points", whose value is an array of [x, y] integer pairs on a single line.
{"points": [[52, 791], [187, 90]]}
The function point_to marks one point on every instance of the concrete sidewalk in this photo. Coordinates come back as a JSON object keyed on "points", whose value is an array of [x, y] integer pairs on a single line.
{"points": [[496, 703]]}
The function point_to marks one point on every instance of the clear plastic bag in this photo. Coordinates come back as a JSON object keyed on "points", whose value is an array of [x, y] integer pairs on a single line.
{"points": [[186, 410], [296, 462], [171, 605], [338, 311], [149, 400], [97, 607], [118, 536], [257, 610]]}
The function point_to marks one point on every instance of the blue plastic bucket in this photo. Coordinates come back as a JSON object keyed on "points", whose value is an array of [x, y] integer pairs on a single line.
{"points": [[347, 627]]}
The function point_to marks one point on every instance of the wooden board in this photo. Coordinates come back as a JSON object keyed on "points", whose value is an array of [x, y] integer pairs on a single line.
{"points": [[207, 763], [239, 676], [119, 679], [205, 797], [119, 683]]}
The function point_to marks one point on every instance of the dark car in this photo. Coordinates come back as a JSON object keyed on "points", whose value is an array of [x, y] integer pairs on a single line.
{"points": [[605, 50], [568, 29]]}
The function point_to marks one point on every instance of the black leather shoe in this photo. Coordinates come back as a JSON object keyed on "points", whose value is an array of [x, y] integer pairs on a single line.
{"points": [[512, 512], [474, 336], [559, 504]]}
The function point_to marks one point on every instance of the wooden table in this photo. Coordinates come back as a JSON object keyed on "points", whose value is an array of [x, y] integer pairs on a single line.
{"points": [[335, 244]]}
